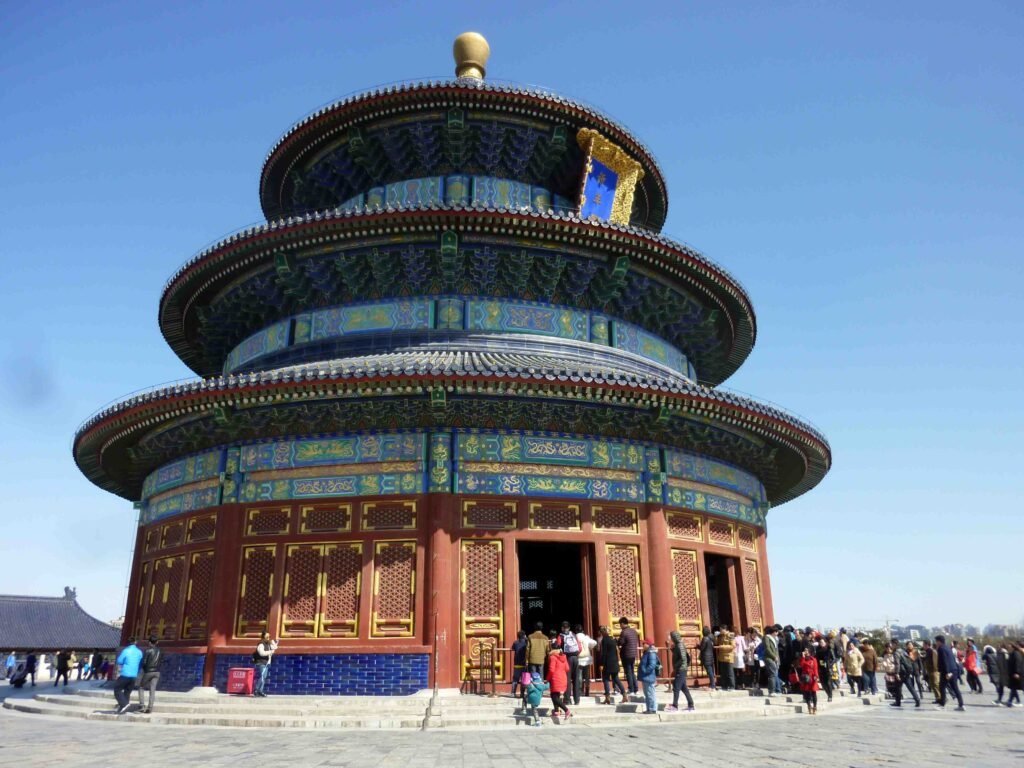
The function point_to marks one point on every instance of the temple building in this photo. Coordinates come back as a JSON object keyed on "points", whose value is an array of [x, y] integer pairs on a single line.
{"points": [[457, 383]]}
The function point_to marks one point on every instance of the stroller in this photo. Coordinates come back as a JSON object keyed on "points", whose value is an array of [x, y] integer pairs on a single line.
{"points": [[19, 677]]}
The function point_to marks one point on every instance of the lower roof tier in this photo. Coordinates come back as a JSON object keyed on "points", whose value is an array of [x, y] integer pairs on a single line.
{"points": [[266, 274], [466, 462], [450, 391]]}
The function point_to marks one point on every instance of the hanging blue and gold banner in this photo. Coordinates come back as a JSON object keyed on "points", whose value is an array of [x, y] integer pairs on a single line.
{"points": [[610, 177]]}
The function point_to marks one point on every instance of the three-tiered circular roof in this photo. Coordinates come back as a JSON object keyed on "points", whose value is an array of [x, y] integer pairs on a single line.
{"points": [[316, 187]]}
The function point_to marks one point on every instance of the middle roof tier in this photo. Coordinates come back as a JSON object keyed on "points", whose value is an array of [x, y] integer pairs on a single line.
{"points": [[276, 271]]}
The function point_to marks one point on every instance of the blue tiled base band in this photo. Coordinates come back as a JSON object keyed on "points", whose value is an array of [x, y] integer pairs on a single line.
{"points": [[181, 671], [344, 674]]}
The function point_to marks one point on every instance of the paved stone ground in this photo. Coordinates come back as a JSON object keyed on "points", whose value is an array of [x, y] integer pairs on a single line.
{"points": [[873, 736]]}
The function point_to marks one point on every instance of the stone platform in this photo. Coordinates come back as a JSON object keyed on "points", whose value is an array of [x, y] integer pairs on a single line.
{"points": [[451, 710]]}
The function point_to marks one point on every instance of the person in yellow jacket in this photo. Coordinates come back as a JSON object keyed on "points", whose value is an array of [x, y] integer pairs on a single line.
{"points": [[854, 662], [725, 654]]}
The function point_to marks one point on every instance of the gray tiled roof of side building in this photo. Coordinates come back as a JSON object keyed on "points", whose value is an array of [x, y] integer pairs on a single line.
{"points": [[51, 623]]}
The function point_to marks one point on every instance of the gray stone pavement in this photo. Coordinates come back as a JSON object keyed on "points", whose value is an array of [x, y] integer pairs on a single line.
{"points": [[984, 735]]}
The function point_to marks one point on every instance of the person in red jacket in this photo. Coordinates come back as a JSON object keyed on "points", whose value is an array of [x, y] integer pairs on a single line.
{"points": [[807, 669], [558, 678]]}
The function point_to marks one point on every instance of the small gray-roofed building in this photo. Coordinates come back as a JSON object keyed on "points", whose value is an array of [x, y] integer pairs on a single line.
{"points": [[29, 623]]}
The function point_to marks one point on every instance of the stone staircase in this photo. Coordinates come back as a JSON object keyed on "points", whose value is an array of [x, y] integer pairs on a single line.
{"points": [[449, 710]]}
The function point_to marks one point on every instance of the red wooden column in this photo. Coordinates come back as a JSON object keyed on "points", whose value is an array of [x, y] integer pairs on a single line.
{"points": [[767, 609], [225, 586], [733, 575], [702, 586], [444, 592], [131, 610], [663, 617]]}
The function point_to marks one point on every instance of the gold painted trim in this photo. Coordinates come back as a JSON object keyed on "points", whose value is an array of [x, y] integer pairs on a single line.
{"points": [[696, 518], [632, 513], [408, 624], [322, 621], [304, 512], [334, 470], [549, 470], [732, 533], [251, 515], [199, 485], [714, 490], [212, 516], [575, 508], [368, 506], [753, 539], [510, 505]]}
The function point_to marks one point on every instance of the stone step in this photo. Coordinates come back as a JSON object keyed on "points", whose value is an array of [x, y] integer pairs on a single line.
{"points": [[466, 712]]}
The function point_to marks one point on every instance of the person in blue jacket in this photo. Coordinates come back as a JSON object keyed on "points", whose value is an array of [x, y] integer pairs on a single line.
{"points": [[534, 695], [128, 662], [650, 666]]}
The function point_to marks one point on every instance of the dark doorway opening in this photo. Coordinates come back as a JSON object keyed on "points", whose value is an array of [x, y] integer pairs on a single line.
{"points": [[551, 584], [719, 598]]}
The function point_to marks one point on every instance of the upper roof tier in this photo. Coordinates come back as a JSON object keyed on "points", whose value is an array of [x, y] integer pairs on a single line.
{"points": [[463, 126], [269, 273]]}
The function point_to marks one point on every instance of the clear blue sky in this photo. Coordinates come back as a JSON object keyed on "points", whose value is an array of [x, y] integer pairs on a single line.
{"points": [[858, 166]]}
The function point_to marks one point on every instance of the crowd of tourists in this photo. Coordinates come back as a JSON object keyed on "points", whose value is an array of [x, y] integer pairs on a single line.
{"points": [[781, 660], [60, 666]]}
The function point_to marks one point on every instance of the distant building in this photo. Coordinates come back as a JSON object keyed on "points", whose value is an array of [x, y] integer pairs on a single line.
{"points": [[45, 624]]}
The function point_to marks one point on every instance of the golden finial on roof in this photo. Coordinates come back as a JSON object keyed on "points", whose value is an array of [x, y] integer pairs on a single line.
{"points": [[471, 52]]}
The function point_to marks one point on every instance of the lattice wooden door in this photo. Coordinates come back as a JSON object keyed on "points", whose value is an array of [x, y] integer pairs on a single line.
{"points": [[482, 615], [623, 564]]}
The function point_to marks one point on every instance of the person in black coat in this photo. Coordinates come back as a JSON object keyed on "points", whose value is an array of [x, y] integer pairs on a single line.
{"points": [[607, 653], [948, 672], [1014, 672], [707, 655], [826, 659]]}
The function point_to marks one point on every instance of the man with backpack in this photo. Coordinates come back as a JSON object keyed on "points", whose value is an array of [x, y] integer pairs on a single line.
{"points": [[150, 674], [905, 675], [570, 646]]}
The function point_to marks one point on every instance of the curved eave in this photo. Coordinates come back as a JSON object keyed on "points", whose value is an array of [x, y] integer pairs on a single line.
{"points": [[127, 421], [252, 247], [310, 133]]}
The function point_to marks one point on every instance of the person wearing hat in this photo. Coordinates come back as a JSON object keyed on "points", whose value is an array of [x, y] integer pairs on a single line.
{"points": [[150, 673], [650, 666]]}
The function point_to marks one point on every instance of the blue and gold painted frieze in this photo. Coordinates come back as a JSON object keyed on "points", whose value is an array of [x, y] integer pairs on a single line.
{"points": [[638, 341], [714, 504], [456, 314], [471, 462], [539, 448], [190, 500], [271, 339], [372, 484], [311, 452], [192, 469], [700, 469], [459, 189], [515, 317], [514, 484], [403, 314]]}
